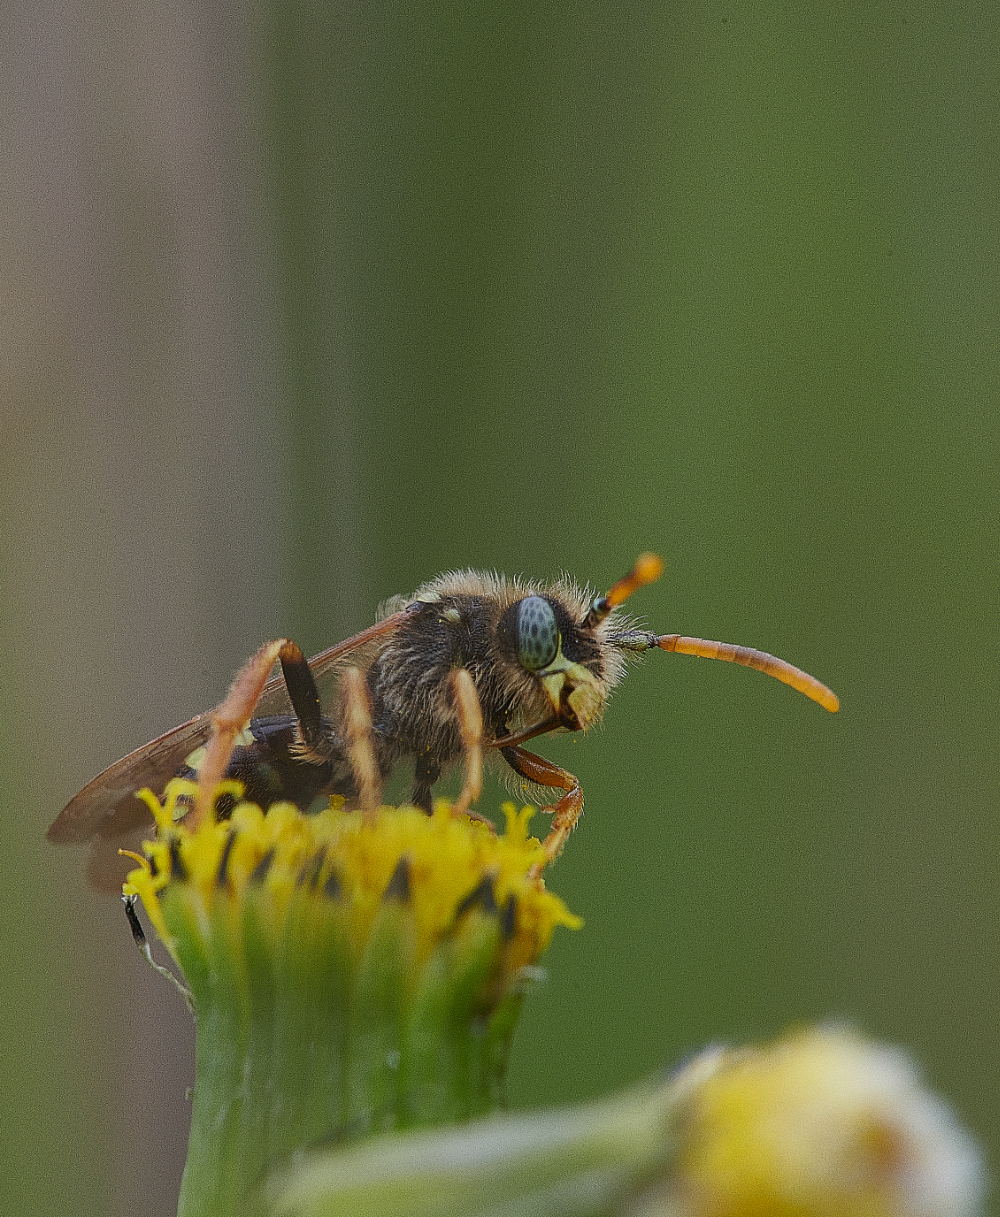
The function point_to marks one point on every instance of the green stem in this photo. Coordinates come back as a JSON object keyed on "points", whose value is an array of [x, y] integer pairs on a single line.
{"points": [[300, 1042]]}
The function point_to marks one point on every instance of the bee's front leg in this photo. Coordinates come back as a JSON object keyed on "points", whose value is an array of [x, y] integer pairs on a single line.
{"points": [[565, 813]]}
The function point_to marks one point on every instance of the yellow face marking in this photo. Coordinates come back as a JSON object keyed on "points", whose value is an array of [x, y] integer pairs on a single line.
{"points": [[584, 698]]}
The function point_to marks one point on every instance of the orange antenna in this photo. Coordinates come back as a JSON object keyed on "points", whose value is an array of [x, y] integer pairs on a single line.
{"points": [[648, 568], [748, 657]]}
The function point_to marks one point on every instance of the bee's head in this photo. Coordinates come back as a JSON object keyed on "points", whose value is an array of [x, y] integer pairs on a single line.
{"points": [[562, 655], [568, 652]]}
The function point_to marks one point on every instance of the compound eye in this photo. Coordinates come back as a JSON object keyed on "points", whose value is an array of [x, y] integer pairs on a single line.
{"points": [[537, 633]]}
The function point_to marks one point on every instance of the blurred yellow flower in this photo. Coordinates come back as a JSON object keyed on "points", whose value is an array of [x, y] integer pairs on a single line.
{"points": [[822, 1123]]}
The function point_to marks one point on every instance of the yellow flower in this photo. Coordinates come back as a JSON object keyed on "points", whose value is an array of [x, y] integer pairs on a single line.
{"points": [[822, 1123], [349, 860], [348, 972]]}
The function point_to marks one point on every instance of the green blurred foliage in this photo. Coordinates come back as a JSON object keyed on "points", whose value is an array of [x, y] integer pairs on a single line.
{"points": [[544, 286]]}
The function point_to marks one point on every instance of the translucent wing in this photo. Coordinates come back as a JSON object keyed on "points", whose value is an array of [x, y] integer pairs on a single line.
{"points": [[106, 807]]}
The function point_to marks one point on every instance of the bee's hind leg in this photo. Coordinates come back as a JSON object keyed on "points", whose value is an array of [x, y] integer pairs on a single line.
{"points": [[233, 713], [470, 725]]}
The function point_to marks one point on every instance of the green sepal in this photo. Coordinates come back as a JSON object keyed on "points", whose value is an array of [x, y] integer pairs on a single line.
{"points": [[446, 1056], [576, 1162], [385, 976]]}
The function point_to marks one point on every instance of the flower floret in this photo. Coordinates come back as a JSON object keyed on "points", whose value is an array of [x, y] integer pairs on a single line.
{"points": [[353, 856]]}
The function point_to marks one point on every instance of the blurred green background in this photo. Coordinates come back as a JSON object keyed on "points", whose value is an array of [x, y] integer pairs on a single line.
{"points": [[304, 303]]}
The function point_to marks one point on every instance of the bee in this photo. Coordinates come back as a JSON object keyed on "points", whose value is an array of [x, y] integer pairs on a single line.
{"points": [[471, 664]]}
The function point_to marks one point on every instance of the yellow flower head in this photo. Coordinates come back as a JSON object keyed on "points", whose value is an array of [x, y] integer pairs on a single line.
{"points": [[348, 971], [350, 862], [822, 1123]]}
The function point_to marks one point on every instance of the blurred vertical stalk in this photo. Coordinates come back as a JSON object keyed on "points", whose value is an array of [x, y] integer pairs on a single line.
{"points": [[143, 484], [349, 974], [307, 103]]}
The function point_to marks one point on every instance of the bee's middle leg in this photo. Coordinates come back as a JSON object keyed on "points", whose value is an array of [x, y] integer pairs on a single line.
{"points": [[470, 725], [359, 738], [565, 813]]}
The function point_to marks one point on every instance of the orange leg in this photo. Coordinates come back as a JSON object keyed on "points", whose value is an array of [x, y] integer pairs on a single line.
{"points": [[230, 717], [565, 813], [356, 724], [470, 724]]}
